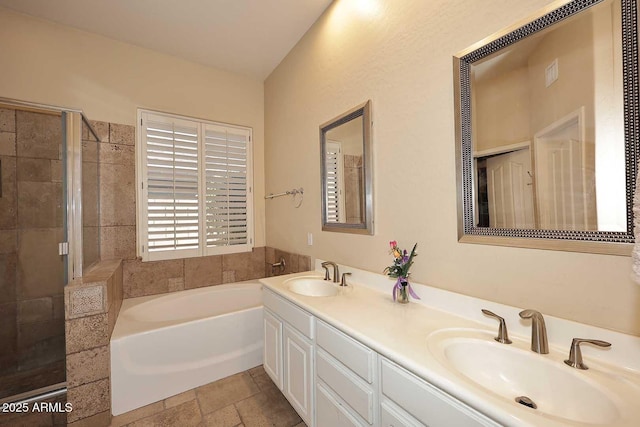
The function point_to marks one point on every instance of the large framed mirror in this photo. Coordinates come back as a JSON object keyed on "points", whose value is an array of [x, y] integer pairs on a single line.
{"points": [[547, 130], [346, 172]]}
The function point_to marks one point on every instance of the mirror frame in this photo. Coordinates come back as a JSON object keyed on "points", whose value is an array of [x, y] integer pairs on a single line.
{"points": [[604, 242], [366, 227]]}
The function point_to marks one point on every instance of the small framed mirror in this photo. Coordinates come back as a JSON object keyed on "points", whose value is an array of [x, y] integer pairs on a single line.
{"points": [[346, 172], [547, 130]]}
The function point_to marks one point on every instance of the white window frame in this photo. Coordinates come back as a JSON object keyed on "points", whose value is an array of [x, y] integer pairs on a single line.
{"points": [[141, 170]]}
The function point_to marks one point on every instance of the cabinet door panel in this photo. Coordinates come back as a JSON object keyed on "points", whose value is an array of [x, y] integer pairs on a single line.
{"points": [[273, 348], [298, 378]]}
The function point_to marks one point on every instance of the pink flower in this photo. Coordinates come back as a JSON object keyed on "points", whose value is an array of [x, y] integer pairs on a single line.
{"points": [[393, 244]]}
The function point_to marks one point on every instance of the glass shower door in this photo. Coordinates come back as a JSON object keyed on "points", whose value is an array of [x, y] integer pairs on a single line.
{"points": [[32, 272]]}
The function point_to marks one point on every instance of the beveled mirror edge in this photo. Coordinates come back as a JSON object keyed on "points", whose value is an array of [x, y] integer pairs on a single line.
{"points": [[367, 227], [598, 242]]}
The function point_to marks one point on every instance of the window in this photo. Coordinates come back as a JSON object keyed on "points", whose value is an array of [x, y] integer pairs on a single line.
{"points": [[335, 203], [194, 187]]}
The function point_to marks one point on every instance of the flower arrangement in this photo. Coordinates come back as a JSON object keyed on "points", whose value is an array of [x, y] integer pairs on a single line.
{"points": [[402, 262]]}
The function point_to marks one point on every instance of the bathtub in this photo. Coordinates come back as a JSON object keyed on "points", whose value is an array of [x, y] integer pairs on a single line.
{"points": [[166, 344]]}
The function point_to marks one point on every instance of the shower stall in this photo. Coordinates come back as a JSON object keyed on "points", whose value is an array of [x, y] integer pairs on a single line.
{"points": [[49, 233]]}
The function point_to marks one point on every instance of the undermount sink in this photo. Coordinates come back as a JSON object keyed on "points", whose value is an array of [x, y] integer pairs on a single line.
{"points": [[523, 377], [312, 286]]}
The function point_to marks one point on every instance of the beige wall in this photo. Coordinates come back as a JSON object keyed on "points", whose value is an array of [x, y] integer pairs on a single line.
{"points": [[48, 63], [501, 106], [400, 57]]}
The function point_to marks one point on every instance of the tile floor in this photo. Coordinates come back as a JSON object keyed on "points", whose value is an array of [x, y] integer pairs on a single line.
{"points": [[247, 399]]}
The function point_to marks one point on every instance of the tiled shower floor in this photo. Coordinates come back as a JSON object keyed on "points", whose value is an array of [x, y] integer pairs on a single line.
{"points": [[247, 399]]}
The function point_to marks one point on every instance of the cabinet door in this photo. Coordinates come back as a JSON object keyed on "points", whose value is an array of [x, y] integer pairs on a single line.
{"points": [[298, 376], [330, 412], [273, 348]]}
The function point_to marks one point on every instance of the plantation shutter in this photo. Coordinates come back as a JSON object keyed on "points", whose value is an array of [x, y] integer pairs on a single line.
{"points": [[227, 161], [333, 163], [171, 158], [194, 192]]}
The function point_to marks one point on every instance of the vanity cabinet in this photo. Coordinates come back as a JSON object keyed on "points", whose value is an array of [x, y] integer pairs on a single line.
{"points": [[410, 401], [332, 380], [288, 352]]}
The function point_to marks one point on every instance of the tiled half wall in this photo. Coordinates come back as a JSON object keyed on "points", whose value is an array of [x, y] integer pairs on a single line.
{"points": [[92, 304]]}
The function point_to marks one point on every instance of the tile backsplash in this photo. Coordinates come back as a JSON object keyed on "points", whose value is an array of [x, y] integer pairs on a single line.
{"points": [[156, 277]]}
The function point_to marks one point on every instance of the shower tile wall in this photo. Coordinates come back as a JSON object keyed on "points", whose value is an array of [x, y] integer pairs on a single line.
{"points": [[31, 271]]}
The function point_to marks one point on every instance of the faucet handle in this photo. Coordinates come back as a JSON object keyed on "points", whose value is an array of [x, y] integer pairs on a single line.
{"points": [[503, 336], [326, 270], [575, 354], [343, 282]]}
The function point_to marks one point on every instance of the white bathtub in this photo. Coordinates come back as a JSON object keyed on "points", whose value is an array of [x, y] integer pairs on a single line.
{"points": [[165, 344]]}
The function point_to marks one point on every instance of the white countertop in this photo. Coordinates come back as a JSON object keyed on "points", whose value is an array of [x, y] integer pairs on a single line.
{"points": [[367, 312]]}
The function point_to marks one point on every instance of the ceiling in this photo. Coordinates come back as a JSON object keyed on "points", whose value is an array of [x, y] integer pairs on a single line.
{"points": [[248, 37]]}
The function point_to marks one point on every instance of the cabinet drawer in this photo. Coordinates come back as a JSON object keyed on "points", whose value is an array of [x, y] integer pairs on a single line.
{"points": [[349, 352], [425, 402], [330, 412], [290, 313], [391, 416], [356, 393]]}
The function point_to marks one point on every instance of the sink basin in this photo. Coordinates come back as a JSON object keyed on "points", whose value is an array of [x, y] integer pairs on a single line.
{"points": [[513, 371], [312, 286]]}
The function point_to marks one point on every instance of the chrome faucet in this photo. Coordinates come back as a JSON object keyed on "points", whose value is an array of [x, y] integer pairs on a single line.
{"points": [[336, 271], [539, 343]]}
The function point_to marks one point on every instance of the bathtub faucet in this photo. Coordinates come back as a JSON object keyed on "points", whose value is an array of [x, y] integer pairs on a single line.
{"points": [[336, 271]]}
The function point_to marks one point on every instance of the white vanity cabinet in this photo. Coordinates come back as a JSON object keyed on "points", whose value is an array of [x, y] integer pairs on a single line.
{"points": [[288, 352], [407, 400], [345, 380], [332, 380]]}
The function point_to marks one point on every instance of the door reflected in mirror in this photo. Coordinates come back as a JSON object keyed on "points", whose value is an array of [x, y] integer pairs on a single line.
{"points": [[346, 172], [547, 130]]}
